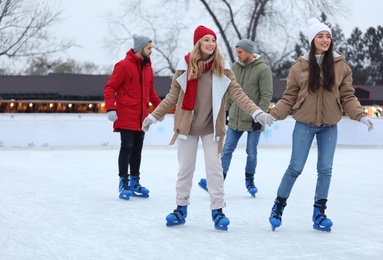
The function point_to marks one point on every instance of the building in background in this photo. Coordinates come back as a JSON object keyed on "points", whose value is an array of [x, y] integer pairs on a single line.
{"points": [[77, 93]]}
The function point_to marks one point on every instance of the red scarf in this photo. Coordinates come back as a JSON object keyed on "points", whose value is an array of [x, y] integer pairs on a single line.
{"points": [[191, 87]]}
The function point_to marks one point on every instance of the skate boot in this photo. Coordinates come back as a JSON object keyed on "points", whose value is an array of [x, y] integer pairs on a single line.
{"points": [[124, 188], [250, 184], [178, 217], [203, 184], [276, 212], [220, 220], [137, 189], [321, 222]]}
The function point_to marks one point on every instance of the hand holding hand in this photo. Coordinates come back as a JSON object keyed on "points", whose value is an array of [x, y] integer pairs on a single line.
{"points": [[263, 118], [112, 115], [147, 122], [368, 122]]}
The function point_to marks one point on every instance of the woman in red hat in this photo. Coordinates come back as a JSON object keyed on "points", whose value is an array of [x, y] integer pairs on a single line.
{"points": [[199, 87]]}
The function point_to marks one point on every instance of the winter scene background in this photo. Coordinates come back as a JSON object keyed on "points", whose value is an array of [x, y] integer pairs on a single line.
{"points": [[61, 201]]}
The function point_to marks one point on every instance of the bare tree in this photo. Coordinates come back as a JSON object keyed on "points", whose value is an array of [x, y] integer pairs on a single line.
{"points": [[273, 25], [155, 19], [24, 29], [41, 65]]}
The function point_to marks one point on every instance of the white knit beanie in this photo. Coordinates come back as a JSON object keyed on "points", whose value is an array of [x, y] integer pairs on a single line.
{"points": [[140, 42], [314, 27]]}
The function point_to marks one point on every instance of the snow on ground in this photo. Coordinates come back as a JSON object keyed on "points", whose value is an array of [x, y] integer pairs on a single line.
{"points": [[63, 204]]}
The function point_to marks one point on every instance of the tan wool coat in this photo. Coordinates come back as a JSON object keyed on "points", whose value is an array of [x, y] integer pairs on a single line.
{"points": [[221, 86]]}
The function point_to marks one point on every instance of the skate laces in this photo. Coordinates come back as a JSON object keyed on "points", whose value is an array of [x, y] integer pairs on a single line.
{"points": [[135, 184], [218, 215], [178, 213], [277, 210], [124, 184], [321, 216], [250, 181]]}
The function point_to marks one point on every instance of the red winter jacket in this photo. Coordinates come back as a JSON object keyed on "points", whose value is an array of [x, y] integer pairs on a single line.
{"points": [[129, 90]]}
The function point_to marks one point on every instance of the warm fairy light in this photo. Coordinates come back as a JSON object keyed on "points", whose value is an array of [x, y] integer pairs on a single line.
{"points": [[12, 104], [30, 105], [103, 105], [50, 105], [69, 105], [90, 105]]}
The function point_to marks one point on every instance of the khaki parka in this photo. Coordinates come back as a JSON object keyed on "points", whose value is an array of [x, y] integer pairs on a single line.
{"points": [[322, 107], [256, 81]]}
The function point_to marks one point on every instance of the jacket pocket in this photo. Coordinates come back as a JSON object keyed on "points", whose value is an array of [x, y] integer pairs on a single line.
{"points": [[339, 104], [299, 104], [127, 102]]}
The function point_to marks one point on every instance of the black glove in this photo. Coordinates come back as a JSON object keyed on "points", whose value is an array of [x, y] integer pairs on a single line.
{"points": [[227, 117], [256, 126]]}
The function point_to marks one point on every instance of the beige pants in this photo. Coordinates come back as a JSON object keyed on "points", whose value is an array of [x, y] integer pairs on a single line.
{"points": [[187, 156]]}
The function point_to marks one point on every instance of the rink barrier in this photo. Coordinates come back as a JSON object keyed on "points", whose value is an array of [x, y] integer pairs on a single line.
{"points": [[90, 130]]}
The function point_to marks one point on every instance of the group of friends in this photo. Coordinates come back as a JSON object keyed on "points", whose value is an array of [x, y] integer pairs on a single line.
{"points": [[216, 103]]}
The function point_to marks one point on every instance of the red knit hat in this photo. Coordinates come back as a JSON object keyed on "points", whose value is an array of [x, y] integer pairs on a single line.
{"points": [[201, 31]]}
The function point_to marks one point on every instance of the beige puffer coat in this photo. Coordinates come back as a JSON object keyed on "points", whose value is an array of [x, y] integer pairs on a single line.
{"points": [[323, 107]]}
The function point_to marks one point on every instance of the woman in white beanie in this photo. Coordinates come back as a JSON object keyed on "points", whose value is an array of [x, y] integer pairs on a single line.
{"points": [[198, 90], [319, 88]]}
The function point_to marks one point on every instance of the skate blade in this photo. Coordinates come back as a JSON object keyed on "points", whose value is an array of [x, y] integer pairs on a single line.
{"points": [[140, 195], [172, 224], [202, 186], [221, 228], [322, 228], [124, 197]]}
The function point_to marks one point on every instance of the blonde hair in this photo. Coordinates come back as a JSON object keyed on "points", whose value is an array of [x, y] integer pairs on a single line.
{"points": [[196, 63]]}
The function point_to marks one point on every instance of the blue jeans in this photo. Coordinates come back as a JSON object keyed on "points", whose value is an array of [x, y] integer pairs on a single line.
{"points": [[303, 136], [231, 141]]}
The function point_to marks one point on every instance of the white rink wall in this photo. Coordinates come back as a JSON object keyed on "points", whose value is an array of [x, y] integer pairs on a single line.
{"points": [[92, 130]]}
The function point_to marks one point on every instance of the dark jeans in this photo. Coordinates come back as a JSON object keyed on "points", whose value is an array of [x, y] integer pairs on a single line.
{"points": [[130, 152]]}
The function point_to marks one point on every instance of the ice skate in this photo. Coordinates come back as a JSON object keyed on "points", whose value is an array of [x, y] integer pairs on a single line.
{"points": [[321, 222], [275, 218], [136, 188], [178, 217], [250, 184], [203, 184], [124, 189], [220, 220]]}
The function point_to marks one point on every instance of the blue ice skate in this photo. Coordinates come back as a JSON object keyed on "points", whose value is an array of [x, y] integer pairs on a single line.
{"points": [[321, 222], [203, 184], [220, 220], [250, 184], [124, 189], [137, 189], [177, 217], [275, 218]]}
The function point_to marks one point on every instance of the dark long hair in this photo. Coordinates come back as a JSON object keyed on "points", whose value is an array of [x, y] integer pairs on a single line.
{"points": [[327, 69]]}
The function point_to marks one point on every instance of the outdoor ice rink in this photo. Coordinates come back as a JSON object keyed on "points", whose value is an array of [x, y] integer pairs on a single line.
{"points": [[63, 204]]}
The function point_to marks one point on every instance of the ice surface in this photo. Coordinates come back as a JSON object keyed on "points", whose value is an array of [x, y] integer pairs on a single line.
{"points": [[63, 204]]}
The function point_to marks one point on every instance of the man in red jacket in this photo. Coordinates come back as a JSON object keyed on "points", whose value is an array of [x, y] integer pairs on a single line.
{"points": [[127, 95]]}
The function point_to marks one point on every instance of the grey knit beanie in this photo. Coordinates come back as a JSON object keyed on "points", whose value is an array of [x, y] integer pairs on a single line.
{"points": [[140, 42], [246, 44]]}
